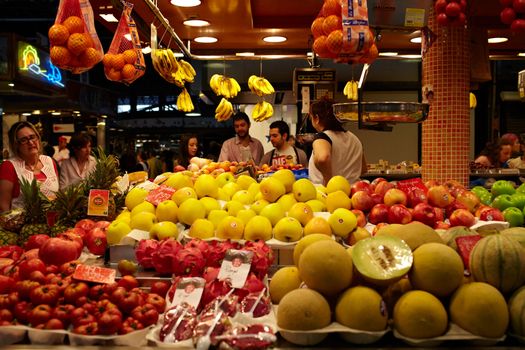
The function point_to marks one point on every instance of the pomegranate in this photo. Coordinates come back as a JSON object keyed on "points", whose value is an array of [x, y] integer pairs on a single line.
{"points": [[35, 241], [57, 251], [96, 241]]}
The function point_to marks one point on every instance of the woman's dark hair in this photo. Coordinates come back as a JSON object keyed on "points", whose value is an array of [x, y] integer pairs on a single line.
{"points": [[11, 134], [325, 111], [78, 141], [492, 150], [184, 156]]}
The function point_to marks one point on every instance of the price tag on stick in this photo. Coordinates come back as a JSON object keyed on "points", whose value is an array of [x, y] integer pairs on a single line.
{"points": [[235, 267]]}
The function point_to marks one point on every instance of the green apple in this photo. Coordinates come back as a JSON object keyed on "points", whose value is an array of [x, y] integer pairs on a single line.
{"points": [[502, 187], [163, 229], [518, 199], [479, 190], [521, 188], [513, 216], [502, 202], [485, 198]]}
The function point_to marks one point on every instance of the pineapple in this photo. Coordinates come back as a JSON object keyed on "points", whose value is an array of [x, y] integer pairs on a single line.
{"points": [[102, 177], [35, 206], [7, 238], [70, 205]]}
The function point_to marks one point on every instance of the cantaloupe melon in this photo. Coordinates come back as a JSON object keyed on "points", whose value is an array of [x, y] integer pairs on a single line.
{"points": [[517, 312], [499, 261], [518, 233]]}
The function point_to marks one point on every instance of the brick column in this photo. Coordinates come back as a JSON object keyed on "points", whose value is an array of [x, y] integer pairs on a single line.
{"points": [[446, 132]]}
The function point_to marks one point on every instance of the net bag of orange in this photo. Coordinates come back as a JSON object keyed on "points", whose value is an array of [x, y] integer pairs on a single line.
{"points": [[74, 43], [124, 61]]}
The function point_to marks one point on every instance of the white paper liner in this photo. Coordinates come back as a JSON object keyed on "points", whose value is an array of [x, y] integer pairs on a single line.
{"points": [[12, 334], [137, 338], [496, 225], [454, 333], [315, 336], [272, 243], [46, 336]]}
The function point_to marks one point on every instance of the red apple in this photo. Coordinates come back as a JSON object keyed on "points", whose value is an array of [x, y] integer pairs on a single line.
{"points": [[361, 218], [395, 196], [377, 198], [491, 214], [416, 196], [425, 213], [440, 214], [85, 224], [378, 227], [469, 199], [160, 287], [362, 200], [441, 225], [378, 214], [382, 187], [449, 209], [375, 182], [439, 196], [431, 183], [399, 214], [462, 217], [360, 185]]}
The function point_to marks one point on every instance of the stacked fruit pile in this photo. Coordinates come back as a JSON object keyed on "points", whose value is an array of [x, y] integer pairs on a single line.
{"points": [[502, 202], [513, 14], [397, 268]]}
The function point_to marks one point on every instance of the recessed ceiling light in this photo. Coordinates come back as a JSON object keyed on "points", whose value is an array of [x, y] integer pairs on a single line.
{"points": [[37, 111], [193, 114], [56, 113], [410, 56], [185, 3], [11, 84], [388, 54], [76, 111], [521, 54], [416, 40], [196, 23], [108, 17], [245, 54], [206, 39], [497, 40], [275, 39], [26, 114]]}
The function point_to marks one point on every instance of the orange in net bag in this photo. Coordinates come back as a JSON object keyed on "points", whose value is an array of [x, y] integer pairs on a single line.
{"points": [[124, 61], [74, 43]]}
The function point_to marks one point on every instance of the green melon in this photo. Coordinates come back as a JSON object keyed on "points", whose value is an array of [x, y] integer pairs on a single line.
{"points": [[517, 312], [518, 233], [450, 235], [499, 261]]}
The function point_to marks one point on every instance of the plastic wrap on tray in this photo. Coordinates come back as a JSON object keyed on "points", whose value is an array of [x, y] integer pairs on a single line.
{"points": [[178, 323], [256, 336]]}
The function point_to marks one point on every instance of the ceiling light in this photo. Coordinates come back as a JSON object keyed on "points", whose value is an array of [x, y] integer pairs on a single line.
{"points": [[388, 54], [497, 40], [26, 114], [416, 40], [11, 84], [108, 17], [206, 39], [127, 36], [245, 54], [196, 23], [37, 111], [76, 111], [146, 50], [185, 3], [56, 113], [410, 56], [275, 39], [193, 114], [521, 54]]}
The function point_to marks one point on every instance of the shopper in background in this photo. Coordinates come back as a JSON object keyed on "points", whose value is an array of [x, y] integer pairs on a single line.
{"points": [[28, 163], [61, 151], [154, 165], [495, 154], [188, 148], [80, 163], [334, 150], [242, 147], [283, 153], [519, 161], [515, 142], [141, 164]]}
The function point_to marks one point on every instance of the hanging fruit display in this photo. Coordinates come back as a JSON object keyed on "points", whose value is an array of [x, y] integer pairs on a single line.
{"points": [[341, 32], [451, 12], [513, 14]]}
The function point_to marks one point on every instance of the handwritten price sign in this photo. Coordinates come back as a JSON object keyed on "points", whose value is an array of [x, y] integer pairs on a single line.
{"points": [[94, 274]]}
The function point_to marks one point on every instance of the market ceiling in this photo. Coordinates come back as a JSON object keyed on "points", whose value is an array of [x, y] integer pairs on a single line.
{"points": [[240, 25]]}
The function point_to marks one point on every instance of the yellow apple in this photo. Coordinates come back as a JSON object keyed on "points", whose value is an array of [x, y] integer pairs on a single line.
{"points": [[135, 197], [167, 211], [287, 177], [190, 210], [230, 188], [316, 205], [288, 229], [179, 180], [223, 178], [258, 227], [230, 227], [143, 221], [304, 190], [205, 185], [302, 212], [210, 204], [245, 215], [318, 225], [271, 189], [182, 194], [342, 221], [202, 228], [337, 199], [163, 229], [233, 207], [116, 231], [216, 215], [245, 181], [258, 205], [287, 201], [273, 211], [144, 206], [337, 183], [243, 196]]}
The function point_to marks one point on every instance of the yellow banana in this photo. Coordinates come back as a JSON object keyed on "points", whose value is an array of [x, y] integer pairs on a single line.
{"points": [[189, 71], [215, 83], [251, 83], [354, 90], [347, 91], [268, 86], [189, 103], [473, 102], [236, 88]]}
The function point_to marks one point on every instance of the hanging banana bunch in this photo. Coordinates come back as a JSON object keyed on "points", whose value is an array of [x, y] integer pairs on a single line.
{"points": [[173, 71], [184, 103], [224, 86], [224, 110], [260, 86], [473, 102], [187, 70], [262, 111], [350, 90]]}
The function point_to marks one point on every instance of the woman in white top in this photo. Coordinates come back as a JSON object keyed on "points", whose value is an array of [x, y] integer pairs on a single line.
{"points": [[80, 163], [334, 150]]}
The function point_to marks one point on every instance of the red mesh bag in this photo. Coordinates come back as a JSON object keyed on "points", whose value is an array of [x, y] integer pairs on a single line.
{"points": [[74, 43], [124, 61]]}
